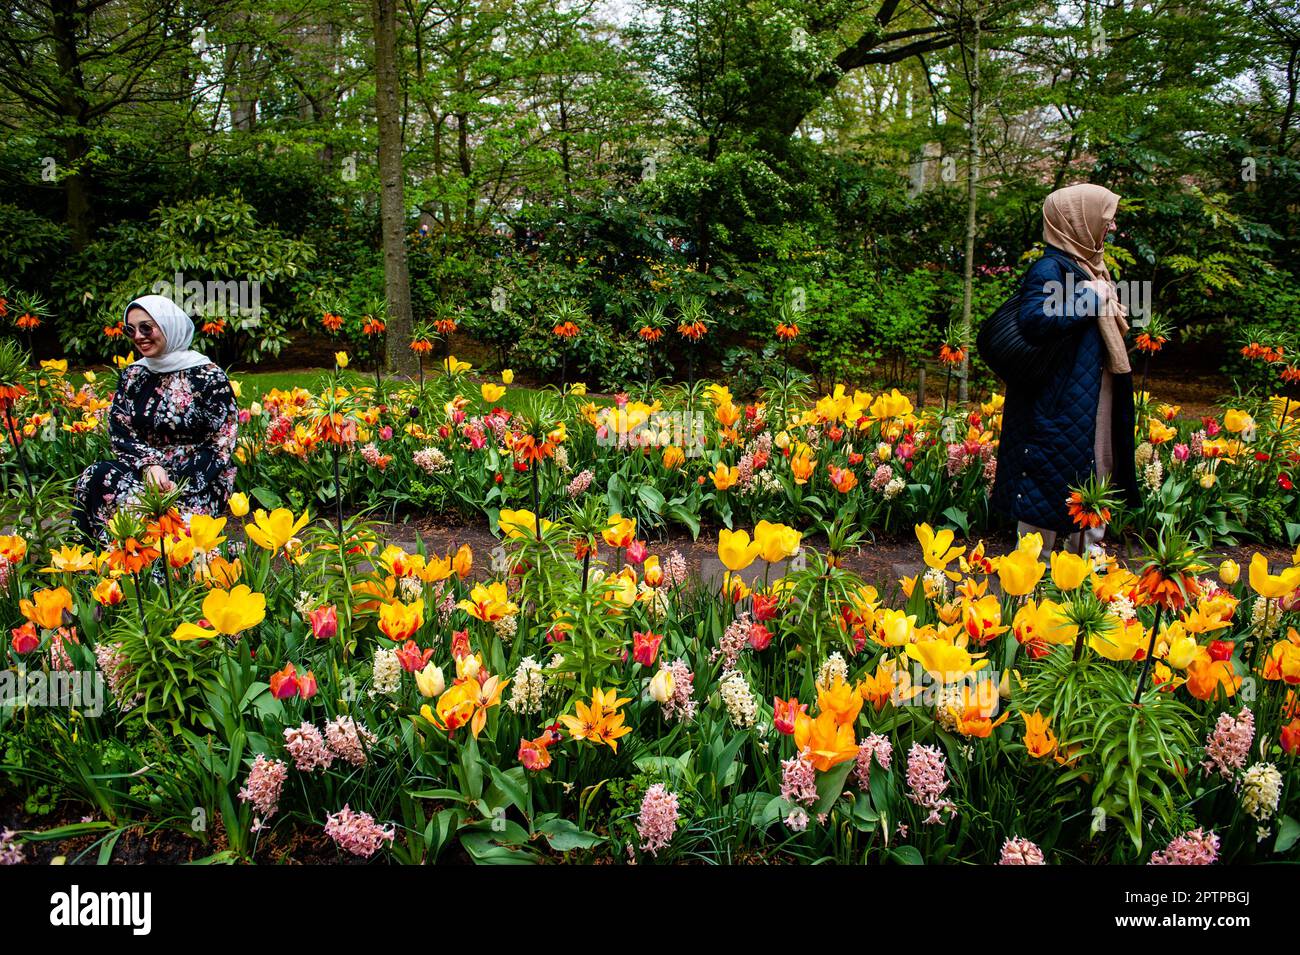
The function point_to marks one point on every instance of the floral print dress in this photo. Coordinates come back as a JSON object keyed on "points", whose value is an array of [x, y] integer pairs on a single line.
{"points": [[184, 421]]}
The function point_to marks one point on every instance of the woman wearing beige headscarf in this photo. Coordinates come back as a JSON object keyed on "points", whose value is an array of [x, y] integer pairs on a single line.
{"points": [[1080, 422]]}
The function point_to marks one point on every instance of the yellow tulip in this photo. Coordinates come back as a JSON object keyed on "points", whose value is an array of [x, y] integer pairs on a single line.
{"points": [[936, 549], [1069, 570], [452, 365], [776, 542], [661, 686], [273, 531], [491, 393], [946, 662], [894, 628], [1120, 643], [229, 612], [1269, 585], [1019, 572], [430, 681], [206, 531], [1236, 421], [1229, 572], [341, 359], [519, 523], [488, 603], [1183, 649], [508, 376], [238, 504], [735, 549], [435, 569], [892, 405]]}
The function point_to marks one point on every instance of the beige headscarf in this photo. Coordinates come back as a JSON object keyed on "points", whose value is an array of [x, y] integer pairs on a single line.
{"points": [[1075, 220]]}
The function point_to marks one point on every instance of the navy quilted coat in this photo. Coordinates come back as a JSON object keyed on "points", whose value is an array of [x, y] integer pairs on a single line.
{"points": [[1048, 432]]}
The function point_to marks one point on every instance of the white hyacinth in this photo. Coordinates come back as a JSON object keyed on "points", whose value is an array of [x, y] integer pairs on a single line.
{"points": [[738, 699], [386, 677]]}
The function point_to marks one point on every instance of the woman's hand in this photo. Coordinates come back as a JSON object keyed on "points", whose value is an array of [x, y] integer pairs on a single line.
{"points": [[158, 477]]}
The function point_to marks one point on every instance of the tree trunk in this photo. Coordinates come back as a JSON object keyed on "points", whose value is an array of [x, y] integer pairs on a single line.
{"points": [[73, 107], [972, 206], [392, 202]]}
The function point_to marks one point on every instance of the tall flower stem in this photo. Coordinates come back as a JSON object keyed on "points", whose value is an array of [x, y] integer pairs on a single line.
{"points": [[139, 601], [16, 444], [537, 507], [1146, 662], [167, 577], [338, 486]]}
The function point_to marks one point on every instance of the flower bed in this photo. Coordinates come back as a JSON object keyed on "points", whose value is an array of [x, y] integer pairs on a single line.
{"points": [[573, 692]]}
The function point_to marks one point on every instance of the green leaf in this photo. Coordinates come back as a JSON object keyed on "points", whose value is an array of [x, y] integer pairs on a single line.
{"points": [[266, 497], [830, 786], [564, 835], [906, 855], [1287, 833]]}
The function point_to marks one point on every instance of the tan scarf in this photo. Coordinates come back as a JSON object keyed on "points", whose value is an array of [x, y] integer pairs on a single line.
{"points": [[1075, 220]]}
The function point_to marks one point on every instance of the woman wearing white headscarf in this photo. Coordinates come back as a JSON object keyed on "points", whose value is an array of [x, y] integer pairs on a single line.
{"points": [[173, 422]]}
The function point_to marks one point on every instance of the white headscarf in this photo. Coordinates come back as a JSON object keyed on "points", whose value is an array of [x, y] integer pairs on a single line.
{"points": [[177, 328]]}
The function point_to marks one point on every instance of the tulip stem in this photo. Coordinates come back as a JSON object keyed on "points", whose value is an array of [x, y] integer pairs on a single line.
{"points": [[1146, 662]]}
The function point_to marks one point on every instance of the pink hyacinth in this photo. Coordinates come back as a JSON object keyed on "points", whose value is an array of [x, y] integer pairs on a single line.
{"points": [[674, 569], [11, 850], [798, 781], [745, 470], [734, 639], [884, 474], [348, 740], [657, 821], [112, 663], [307, 747], [1020, 851], [927, 777], [1227, 747], [580, 483], [680, 706], [874, 747], [263, 787], [357, 832], [1191, 848]]}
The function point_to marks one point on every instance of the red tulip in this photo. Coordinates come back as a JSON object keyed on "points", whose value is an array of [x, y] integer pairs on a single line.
{"points": [[1291, 737], [1221, 649], [25, 638], [765, 606], [412, 658], [784, 713], [645, 647], [284, 683], [324, 622]]}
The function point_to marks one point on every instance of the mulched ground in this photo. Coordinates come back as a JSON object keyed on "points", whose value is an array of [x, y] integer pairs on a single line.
{"points": [[880, 562]]}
